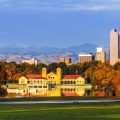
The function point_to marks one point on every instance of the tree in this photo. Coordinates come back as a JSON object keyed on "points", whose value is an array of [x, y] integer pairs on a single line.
{"points": [[63, 67], [88, 74], [103, 77], [3, 91], [74, 69], [20, 68], [40, 66], [27, 68], [89, 69], [3, 76], [116, 83], [52, 67], [117, 66]]}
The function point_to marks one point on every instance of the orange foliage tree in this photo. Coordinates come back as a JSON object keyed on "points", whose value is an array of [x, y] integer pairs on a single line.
{"points": [[116, 83], [102, 79]]}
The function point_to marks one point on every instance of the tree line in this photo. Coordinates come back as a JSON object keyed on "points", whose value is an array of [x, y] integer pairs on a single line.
{"points": [[104, 78]]}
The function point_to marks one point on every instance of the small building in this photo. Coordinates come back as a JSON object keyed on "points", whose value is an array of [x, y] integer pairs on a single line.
{"points": [[86, 57], [32, 61], [66, 60]]}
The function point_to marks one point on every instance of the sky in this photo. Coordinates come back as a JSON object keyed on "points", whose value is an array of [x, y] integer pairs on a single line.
{"points": [[57, 23]]}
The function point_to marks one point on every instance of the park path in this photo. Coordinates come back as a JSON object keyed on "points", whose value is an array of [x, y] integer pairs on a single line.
{"points": [[61, 101]]}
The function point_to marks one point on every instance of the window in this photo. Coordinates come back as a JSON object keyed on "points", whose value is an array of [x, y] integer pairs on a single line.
{"points": [[44, 86], [70, 82]]}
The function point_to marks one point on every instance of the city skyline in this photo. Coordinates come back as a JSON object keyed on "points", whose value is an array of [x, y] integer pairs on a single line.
{"points": [[57, 23]]}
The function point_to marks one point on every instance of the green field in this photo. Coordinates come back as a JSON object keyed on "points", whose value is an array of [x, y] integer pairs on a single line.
{"points": [[93, 111]]}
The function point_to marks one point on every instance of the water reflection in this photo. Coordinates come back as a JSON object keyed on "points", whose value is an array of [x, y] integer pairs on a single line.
{"points": [[45, 91]]}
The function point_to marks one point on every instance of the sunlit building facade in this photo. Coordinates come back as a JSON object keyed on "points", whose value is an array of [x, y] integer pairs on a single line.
{"points": [[86, 57], [32, 61], [49, 84], [66, 60], [114, 46], [100, 55]]}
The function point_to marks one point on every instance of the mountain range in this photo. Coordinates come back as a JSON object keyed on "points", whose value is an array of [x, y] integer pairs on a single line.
{"points": [[44, 54]]}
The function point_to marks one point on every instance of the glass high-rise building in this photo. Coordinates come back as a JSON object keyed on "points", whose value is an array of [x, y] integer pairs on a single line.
{"points": [[114, 46]]}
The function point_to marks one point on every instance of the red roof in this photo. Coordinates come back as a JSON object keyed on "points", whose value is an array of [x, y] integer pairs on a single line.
{"points": [[34, 76], [71, 76]]}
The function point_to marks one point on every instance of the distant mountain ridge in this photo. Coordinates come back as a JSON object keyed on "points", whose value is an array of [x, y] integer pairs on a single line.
{"points": [[47, 50], [44, 54]]}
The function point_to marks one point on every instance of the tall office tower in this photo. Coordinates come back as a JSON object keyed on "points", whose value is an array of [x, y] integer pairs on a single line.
{"points": [[114, 46], [100, 55], [86, 58]]}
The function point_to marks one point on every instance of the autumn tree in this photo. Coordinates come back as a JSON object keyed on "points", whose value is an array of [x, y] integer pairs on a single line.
{"points": [[103, 77], [116, 83], [3, 75], [117, 66]]}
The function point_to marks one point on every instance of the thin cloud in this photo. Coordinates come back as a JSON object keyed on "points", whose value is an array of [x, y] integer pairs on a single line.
{"points": [[63, 5]]}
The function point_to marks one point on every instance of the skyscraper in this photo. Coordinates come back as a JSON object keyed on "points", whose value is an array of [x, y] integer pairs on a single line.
{"points": [[100, 55], [114, 46]]}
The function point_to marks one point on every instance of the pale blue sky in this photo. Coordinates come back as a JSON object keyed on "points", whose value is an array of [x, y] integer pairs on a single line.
{"points": [[57, 23]]}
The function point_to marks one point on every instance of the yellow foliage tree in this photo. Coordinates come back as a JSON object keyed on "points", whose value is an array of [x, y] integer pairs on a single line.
{"points": [[116, 83], [103, 77]]}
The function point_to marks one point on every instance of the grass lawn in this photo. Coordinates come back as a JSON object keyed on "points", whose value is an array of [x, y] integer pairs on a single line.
{"points": [[93, 111]]}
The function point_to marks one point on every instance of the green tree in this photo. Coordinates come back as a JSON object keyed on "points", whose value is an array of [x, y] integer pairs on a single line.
{"points": [[3, 91], [40, 66], [3, 76], [52, 67], [117, 66], [74, 69], [63, 67]]}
